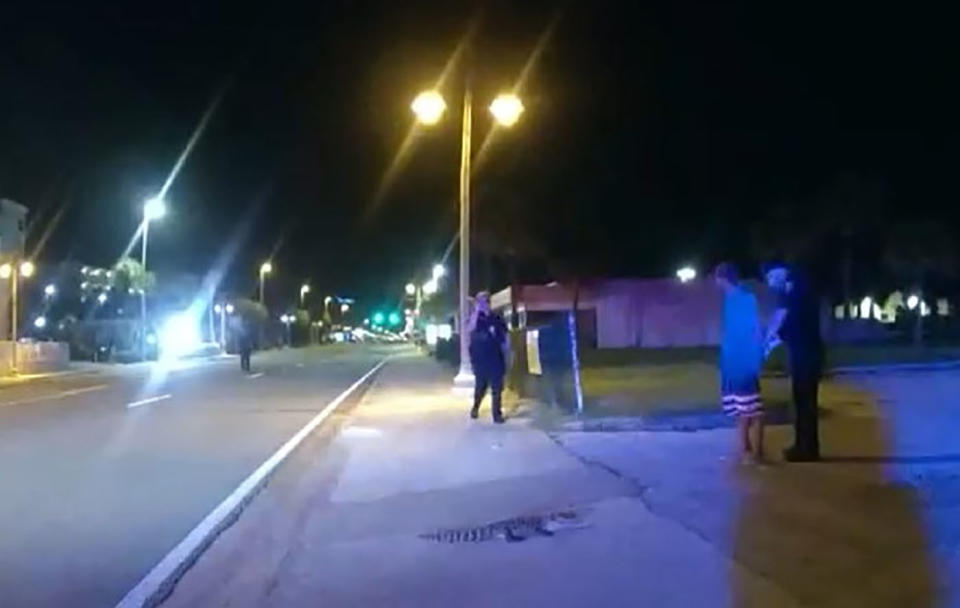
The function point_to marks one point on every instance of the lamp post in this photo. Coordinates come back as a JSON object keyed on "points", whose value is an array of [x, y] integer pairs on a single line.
{"points": [[265, 269], [304, 290], [429, 107], [13, 272], [153, 209]]}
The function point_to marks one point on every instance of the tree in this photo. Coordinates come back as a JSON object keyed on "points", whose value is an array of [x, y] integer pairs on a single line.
{"points": [[129, 275], [922, 253]]}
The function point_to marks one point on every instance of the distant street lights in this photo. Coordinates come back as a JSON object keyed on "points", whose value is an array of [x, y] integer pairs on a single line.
{"points": [[223, 310], [50, 290], [14, 272], [265, 269], [411, 289], [153, 209], [429, 107], [304, 290]]}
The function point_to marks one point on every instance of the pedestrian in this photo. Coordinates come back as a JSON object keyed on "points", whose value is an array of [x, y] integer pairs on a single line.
{"points": [[488, 355], [796, 321], [245, 346], [741, 358]]}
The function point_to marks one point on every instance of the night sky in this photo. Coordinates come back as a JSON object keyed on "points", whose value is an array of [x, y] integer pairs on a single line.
{"points": [[654, 133]]}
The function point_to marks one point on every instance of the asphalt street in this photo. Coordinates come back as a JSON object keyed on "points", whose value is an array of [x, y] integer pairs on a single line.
{"points": [[105, 471]]}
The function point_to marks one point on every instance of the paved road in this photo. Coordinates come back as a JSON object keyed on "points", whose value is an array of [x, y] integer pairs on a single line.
{"points": [[103, 473]]}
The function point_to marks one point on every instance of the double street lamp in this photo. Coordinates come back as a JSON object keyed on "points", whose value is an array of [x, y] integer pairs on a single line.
{"points": [[429, 107], [13, 272]]}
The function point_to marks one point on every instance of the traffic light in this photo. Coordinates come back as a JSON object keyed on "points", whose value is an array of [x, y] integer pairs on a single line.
{"points": [[394, 318], [378, 318]]}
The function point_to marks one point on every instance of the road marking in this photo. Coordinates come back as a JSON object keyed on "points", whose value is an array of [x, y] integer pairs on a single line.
{"points": [[55, 396], [254, 376], [159, 582], [148, 400]]}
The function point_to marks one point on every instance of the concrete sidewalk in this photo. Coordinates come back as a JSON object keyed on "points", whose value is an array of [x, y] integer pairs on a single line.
{"points": [[337, 525]]}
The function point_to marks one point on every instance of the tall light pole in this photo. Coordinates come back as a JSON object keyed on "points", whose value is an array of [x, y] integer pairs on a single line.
{"points": [[304, 290], [265, 269], [13, 272], [153, 209], [429, 107]]}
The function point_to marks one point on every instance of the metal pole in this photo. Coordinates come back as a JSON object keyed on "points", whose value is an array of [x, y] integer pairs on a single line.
{"points": [[15, 280], [261, 287], [143, 292], [223, 329], [465, 380]]}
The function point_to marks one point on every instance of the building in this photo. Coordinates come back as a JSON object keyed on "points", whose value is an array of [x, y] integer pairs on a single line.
{"points": [[630, 313]]}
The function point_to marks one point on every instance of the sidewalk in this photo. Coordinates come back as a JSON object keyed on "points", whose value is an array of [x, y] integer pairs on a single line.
{"points": [[338, 524]]}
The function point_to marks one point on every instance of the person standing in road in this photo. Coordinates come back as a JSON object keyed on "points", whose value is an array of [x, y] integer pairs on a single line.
{"points": [[796, 321], [741, 358], [488, 355], [245, 346]]}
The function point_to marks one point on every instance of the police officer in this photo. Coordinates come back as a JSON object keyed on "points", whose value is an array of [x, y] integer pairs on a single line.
{"points": [[797, 322], [488, 346], [245, 346]]}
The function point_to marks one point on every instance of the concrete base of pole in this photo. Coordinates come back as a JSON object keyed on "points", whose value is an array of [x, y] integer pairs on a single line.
{"points": [[464, 383]]}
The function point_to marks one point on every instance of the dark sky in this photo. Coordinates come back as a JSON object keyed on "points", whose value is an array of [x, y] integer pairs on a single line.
{"points": [[653, 132]]}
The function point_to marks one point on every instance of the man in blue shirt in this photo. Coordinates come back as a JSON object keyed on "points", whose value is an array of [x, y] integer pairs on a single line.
{"points": [[796, 322]]}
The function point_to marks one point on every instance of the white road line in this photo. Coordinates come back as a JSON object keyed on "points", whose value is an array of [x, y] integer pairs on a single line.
{"points": [[55, 396], [255, 376], [159, 582], [148, 400]]}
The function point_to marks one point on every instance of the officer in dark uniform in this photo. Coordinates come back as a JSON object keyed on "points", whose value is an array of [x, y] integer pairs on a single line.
{"points": [[797, 322], [245, 346], [488, 345]]}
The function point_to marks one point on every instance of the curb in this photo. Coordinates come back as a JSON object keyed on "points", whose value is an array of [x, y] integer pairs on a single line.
{"points": [[896, 367], [154, 588]]}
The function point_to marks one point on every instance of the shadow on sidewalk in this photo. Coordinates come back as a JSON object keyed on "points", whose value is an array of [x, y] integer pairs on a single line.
{"points": [[846, 532]]}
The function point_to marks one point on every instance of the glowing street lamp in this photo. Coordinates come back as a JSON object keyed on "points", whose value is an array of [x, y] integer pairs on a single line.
{"points": [[429, 106], [27, 269], [431, 287], [506, 109], [686, 274], [304, 290], [439, 271], [411, 289], [344, 308], [50, 290], [265, 269]]}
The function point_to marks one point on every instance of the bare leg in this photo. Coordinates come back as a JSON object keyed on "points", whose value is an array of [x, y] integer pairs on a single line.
{"points": [[759, 423], [743, 427]]}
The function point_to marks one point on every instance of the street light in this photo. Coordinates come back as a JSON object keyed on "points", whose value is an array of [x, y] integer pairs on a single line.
{"points": [[13, 272], [506, 109], [431, 287], [344, 308], [304, 290], [411, 289], [153, 209], [265, 269], [439, 271], [50, 290], [428, 108], [686, 274]]}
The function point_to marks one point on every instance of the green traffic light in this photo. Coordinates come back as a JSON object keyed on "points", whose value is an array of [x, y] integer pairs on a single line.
{"points": [[378, 318], [394, 318]]}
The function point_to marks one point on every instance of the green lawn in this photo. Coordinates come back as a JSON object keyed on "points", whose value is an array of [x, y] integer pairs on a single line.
{"points": [[654, 382]]}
